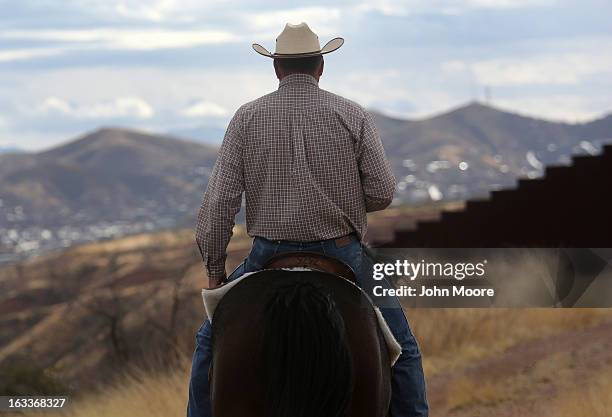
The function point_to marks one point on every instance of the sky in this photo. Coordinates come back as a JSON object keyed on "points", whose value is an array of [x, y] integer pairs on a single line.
{"points": [[70, 66]]}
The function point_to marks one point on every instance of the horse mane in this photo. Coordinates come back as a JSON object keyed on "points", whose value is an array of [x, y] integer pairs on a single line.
{"points": [[308, 369], [298, 344]]}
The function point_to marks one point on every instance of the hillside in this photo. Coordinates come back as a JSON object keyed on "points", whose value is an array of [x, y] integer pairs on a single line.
{"points": [[115, 181], [83, 313], [107, 183], [495, 147], [86, 309], [109, 174], [114, 323]]}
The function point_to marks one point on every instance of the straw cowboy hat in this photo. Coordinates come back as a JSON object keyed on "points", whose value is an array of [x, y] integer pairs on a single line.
{"points": [[298, 41]]}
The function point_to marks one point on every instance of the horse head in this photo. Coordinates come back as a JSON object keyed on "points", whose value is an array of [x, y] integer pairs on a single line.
{"points": [[298, 343]]}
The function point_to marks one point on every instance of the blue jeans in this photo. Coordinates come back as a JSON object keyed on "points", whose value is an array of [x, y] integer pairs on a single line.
{"points": [[408, 396]]}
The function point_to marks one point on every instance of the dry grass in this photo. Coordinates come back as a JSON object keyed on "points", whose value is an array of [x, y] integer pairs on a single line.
{"points": [[467, 392], [448, 337], [451, 337], [136, 395], [593, 399]]}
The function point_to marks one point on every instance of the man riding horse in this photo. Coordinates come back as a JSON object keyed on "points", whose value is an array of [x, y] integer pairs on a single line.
{"points": [[311, 165]]}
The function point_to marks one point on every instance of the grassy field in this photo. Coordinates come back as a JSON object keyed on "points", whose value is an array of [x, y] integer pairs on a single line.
{"points": [[454, 343], [452, 337], [478, 362]]}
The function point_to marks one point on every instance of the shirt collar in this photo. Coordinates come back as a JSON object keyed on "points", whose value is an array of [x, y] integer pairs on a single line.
{"points": [[298, 78]]}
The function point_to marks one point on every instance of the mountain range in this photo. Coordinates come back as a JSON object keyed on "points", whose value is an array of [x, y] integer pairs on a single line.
{"points": [[107, 174], [107, 183], [115, 181], [474, 148]]}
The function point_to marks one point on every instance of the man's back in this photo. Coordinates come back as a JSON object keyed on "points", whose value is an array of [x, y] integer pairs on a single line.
{"points": [[311, 165], [302, 179]]}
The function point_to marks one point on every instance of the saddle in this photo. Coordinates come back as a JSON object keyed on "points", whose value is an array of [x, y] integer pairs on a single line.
{"points": [[311, 260]]}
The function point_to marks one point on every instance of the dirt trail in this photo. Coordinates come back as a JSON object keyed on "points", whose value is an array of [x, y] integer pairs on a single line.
{"points": [[528, 375]]}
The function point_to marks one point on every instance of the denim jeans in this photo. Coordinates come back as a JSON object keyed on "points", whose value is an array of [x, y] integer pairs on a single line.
{"points": [[408, 397]]}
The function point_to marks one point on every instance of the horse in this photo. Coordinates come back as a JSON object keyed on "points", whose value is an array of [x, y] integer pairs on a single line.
{"points": [[298, 343]]}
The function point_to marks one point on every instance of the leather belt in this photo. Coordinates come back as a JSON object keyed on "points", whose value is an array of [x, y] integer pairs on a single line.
{"points": [[340, 242]]}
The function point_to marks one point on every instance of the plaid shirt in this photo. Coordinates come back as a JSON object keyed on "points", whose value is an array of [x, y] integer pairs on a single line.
{"points": [[311, 164]]}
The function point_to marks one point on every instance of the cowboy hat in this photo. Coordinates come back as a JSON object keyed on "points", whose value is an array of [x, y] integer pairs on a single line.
{"points": [[298, 41]]}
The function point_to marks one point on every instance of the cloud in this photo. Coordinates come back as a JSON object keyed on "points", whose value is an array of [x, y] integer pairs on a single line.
{"points": [[121, 107], [11, 55], [155, 11], [205, 109], [560, 107], [114, 38], [385, 7], [442, 7], [249, 26], [454, 66], [509, 4], [229, 11], [54, 104], [393, 92], [165, 89], [150, 10], [144, 61], [560, 69], [322, 20], [63, 102]]}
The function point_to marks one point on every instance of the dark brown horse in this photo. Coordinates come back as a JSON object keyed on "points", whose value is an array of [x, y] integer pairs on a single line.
{"points": [[298, 344]]}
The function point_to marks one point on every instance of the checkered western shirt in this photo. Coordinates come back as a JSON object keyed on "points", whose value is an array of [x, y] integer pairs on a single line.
{"points": [[311, 164]]}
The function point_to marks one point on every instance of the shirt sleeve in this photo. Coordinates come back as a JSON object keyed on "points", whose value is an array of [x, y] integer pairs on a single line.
{"points": [[221, 201], [377, 179]]}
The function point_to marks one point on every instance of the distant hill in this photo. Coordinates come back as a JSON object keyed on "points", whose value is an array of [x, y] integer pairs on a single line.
{"points": [[107, 175], [495, 147], [116, 181]]}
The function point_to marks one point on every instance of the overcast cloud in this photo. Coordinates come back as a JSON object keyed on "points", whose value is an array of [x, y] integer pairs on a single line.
{"points": [[69, 66]]}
